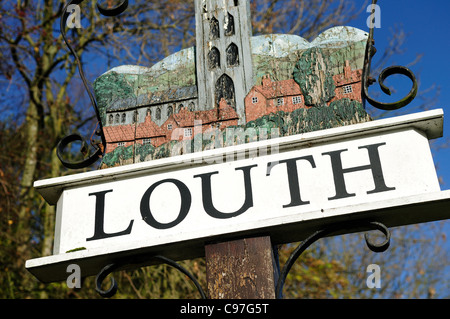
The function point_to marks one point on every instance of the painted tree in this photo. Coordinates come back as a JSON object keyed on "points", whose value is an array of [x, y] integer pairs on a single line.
{"points": [[313, 75]]}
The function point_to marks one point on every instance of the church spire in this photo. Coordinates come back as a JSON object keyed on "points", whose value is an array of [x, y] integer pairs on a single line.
{"points": [[223, 53]]}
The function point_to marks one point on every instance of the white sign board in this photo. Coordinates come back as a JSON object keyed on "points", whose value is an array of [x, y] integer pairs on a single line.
{"points": [[281, 187]]}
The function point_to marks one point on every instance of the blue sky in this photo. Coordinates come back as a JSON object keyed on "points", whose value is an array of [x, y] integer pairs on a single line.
{"points": [[427, 29]]}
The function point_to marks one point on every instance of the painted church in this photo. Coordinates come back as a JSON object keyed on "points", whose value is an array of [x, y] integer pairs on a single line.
{"points": [[229, 79]]}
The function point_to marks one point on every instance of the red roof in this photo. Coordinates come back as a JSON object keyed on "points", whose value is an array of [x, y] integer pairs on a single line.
{"points": [[226, 112], [119, 133], [352, 77], [186, 118], [130, 132], [349, 75], [148, 129], [273, 89]]}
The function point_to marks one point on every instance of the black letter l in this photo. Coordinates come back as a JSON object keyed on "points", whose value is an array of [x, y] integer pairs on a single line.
{"points": [[99, 233]]}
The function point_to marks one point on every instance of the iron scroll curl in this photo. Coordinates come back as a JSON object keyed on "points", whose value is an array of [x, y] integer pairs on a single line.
{"points": [[89, 156], [112, 289], [327, 231], [367, 80]]}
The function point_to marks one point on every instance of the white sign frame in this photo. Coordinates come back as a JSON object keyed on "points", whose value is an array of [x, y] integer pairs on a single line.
{"points": [[391, 206]]}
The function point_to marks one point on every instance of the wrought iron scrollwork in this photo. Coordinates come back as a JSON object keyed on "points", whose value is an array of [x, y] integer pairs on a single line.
{"points": [[375, 247], [321, 233], [367, 80], [89, 156], [382, 247], [107, 270]]}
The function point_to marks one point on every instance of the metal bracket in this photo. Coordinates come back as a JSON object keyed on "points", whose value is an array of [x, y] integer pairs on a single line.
{"points": [[111, 291], [375, 247], [367, 80], [324, 233], [98, 146]]}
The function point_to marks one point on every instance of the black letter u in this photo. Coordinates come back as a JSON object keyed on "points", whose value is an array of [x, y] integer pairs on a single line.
{"points": [[207, 196]]}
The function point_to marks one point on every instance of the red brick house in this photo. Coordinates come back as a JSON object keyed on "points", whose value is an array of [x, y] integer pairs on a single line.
{"points": [[148, 132], [271, 97], [127, 135], [185, 124], [179, 126], [348, 84], [119, 135]]}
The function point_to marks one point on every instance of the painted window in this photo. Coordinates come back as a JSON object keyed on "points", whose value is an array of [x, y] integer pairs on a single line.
{"points": [[146, 141], [169, 126], [213, 58], [121, 144], [158, 113], [232, 55], [124, 117], [254, 99], [111, 119], [169, 111], [225, 89], [296, 99], [214, 32], [280, 101], [347, 89], [117, 118], [229, 25], [188, 132]]}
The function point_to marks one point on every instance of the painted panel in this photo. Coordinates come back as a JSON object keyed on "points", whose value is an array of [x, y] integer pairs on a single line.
{"points": [[298, 87]]}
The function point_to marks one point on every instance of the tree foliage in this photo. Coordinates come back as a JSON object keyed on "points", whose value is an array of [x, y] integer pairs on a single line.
{"points": [[42, 101]]}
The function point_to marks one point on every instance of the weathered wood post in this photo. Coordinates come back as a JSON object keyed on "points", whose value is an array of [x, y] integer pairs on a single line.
{"points": [[241, 269]]}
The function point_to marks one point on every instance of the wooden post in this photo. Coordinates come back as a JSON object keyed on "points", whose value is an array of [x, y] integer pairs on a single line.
{"points": [[241, 269]]}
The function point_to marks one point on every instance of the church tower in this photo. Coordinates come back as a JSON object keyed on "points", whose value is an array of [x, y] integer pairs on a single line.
{"points": [[223, 53]]}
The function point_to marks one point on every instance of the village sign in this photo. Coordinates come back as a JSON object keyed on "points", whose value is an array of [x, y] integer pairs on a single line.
{"points": [[243, 136]]}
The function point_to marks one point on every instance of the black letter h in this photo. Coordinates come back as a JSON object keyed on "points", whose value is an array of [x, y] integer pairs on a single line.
{"points": [[374, 166]]}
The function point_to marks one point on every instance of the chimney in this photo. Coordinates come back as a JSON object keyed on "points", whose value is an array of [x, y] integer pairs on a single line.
{"points": [[223, 103], [347, 70], [266, 81]]}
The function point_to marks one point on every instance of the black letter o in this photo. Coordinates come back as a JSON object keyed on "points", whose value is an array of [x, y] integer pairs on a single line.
{"points": [[185, 204]]}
